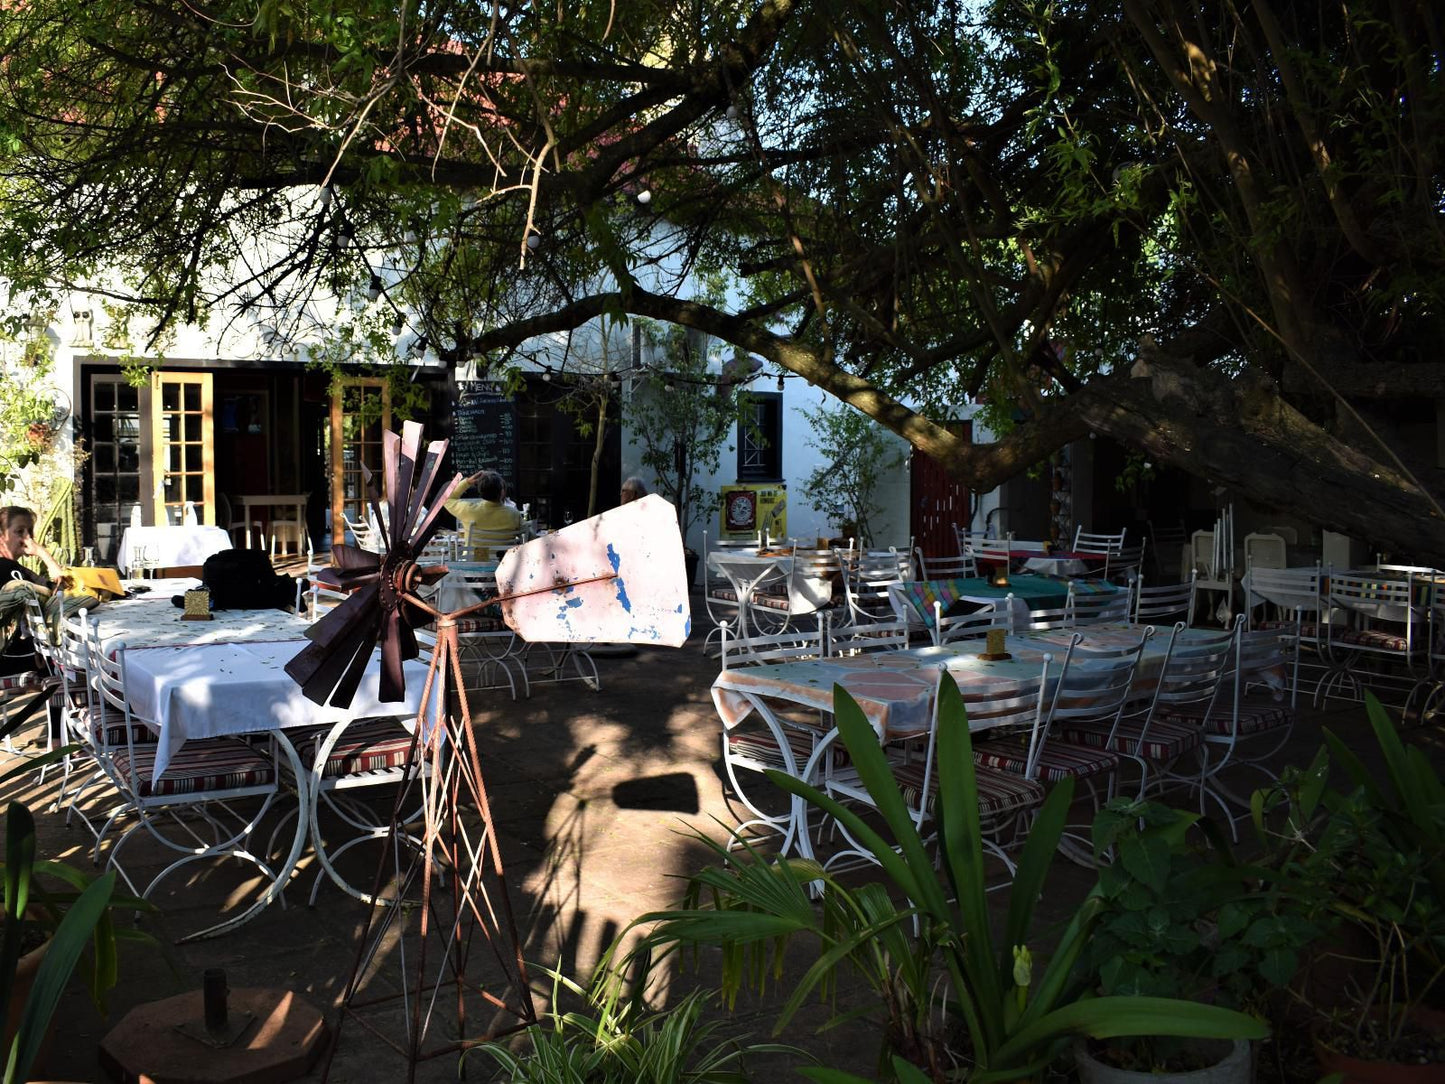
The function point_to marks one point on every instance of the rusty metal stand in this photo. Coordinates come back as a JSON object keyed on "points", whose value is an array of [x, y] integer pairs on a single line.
{"points": [[460, 842]]}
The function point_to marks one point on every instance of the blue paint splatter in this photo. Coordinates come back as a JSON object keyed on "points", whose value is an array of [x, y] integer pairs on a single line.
{"points": [[687, 629], [622, 593], [574, 602], [613, 557]]}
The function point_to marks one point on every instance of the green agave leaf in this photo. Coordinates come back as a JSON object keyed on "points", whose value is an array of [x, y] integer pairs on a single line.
{"points": [[30, 764], [70, 940], [1114, 1017], [960, 838]]}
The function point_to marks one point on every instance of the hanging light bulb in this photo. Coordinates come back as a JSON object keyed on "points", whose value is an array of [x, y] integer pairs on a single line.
{"points": [[644, 197], [780, 381], [534, 241], [398, 325], [373, 288]]}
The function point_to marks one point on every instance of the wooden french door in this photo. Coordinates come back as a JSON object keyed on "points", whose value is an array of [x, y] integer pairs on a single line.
{"points": [[360, 413], [182, 442]]}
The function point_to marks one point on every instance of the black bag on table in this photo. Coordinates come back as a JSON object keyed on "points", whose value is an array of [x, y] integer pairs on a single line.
{"points": [[245, 580]]}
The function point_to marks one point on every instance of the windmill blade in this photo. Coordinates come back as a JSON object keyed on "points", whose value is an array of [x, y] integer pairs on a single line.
{"points": [[373, 498], [340, 648], [426, 480], [615, 578]]}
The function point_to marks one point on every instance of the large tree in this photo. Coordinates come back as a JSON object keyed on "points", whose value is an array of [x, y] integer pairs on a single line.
{"points": [[1210, 230]]}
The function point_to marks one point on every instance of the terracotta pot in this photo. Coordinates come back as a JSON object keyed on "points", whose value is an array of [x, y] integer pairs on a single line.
{"points": [[1358, 1070]]}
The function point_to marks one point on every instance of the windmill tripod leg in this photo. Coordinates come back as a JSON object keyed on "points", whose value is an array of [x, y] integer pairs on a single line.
{"points": [[459, 838]]}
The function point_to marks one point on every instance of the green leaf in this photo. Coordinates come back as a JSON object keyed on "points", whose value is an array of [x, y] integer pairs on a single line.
{"points": [[70, 939], [1147, 859]]}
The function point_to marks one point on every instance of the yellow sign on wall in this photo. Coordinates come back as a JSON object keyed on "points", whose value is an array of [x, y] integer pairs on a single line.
{"points": [[747, 510]]}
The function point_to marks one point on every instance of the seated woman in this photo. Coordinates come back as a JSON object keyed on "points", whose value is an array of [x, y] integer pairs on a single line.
{"points": [[17, 539]]}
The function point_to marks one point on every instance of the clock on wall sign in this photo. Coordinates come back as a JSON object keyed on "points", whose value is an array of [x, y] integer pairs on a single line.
{"points": [[741, 510], [747, 509]]}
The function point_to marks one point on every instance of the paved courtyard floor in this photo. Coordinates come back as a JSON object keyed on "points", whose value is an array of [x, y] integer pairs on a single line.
{"points": [[598, 797]]}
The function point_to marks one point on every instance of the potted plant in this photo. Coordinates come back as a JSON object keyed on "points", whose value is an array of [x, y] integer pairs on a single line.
{"points": [[52, 912], [1368, 866], [1017, 1004], [615, 1038], [1181, 918]]}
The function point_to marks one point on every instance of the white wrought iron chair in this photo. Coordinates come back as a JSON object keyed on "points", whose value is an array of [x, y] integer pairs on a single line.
{"points": [[1382, 640], [1102, 545], [980, 623], [1164, 603], [946, 568], [1141, 734], [483, 545], [1097, 689], [363, 754], [207, 778], [1004, 798], [866, 584], [1086, 607], [766, 739], [718, 593]]}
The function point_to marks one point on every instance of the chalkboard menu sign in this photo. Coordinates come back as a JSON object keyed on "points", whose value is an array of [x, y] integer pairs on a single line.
{"points": [[484, 430]]}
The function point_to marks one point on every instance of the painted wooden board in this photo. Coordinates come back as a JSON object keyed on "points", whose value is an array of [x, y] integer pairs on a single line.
{"points": [[632, 555]]}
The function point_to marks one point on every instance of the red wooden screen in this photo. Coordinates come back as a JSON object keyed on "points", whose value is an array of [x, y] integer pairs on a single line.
{"points": [[938, 502]]}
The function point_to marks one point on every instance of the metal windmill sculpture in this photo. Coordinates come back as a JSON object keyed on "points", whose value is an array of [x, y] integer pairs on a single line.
{"points": [[617, 577]]}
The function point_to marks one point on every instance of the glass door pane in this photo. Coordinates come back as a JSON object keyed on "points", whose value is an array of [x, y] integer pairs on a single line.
{"points": [[182, 428], [360, 413]]}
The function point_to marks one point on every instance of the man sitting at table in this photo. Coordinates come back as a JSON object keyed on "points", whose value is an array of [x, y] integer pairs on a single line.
{"points": [[488, 513]]}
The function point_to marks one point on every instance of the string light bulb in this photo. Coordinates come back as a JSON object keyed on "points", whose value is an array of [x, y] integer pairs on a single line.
{"points": [[780, 381], [644, 197], [534, 241], [373, 288]]}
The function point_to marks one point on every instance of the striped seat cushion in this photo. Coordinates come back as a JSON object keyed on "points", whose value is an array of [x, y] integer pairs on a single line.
{"points": [[205, 765], [481, 623], [108, 728], [1374, 639], [998, 792], [723, 594], [771, 602], [1058, 761], [1256, 715], [1166, 740], [758, 748], [367, 745], [26, 679]]}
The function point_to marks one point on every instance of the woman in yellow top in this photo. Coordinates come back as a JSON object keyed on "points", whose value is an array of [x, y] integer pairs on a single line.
{"points": [[487, 519]]}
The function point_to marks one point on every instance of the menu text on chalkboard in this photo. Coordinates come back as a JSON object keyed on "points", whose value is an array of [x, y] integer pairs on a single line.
{"points": [[484, 432]]}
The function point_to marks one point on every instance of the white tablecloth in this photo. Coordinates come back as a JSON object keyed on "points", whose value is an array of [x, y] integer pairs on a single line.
{"points": [[153, 620], [241, 688], [168, 547]]}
